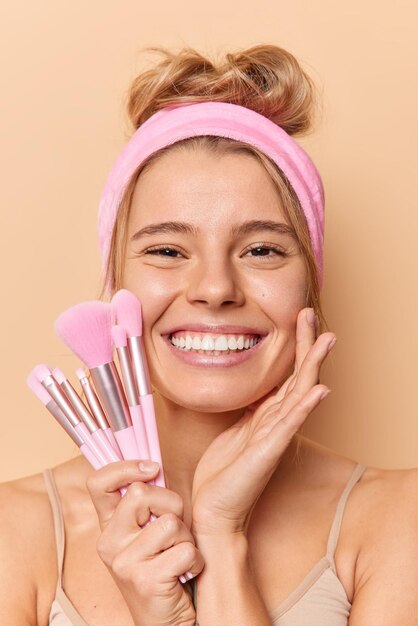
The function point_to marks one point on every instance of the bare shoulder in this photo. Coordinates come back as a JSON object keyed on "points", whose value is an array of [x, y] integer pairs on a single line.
{"points": [[25, 510], [28, 557], [384, 518], [377, 551], [21, 495], [382, 505], [401, 484], [387, 502], [27, 549]]}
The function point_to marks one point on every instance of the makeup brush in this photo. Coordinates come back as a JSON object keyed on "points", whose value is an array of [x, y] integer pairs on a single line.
{"points": [[44, 376], [85, 328], [85, 416], [96, 409], [89, 448], [121, 344], [127, 312], [42, 394]]}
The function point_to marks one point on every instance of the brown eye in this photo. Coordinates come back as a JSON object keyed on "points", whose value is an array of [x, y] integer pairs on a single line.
{"points": [[260, 251], [265, 251], [165, 252]]}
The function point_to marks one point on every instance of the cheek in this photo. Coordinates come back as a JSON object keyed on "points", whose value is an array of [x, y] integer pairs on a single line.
{"points": [[154, 289], [281, 300]]}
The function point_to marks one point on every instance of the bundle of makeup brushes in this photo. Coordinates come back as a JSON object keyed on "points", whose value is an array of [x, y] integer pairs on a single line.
{"points": [[117, 421]]}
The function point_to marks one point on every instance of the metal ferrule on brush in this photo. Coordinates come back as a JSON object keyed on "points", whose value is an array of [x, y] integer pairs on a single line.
{"points": [[127, 376], [54, 409], [139, 361], [57, 394], [94, 404], [111, 395], [79, 406]]}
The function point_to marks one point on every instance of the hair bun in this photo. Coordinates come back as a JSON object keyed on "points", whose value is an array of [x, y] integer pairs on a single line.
{"points": [[264, 78]]}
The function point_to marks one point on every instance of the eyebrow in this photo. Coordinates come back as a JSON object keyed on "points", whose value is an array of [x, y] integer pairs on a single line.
{"points": [[252, 226]]}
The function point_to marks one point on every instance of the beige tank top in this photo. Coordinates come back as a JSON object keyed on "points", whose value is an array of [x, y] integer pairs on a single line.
{"points": [[318, 600]]}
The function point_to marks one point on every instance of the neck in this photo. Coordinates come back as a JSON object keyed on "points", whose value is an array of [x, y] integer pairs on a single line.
{"points": [[184, 436]]}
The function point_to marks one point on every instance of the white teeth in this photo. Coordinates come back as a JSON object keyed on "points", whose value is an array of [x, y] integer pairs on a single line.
{"points": [[207, 343], [232, 343], [196, 343], [222, 343]]}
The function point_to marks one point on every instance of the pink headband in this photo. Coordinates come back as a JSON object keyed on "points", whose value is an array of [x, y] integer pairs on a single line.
{"points": [[220, 119]]}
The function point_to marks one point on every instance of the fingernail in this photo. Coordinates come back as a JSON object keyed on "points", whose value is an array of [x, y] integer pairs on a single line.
{"points": [[148, 467], [185, 577], [324, 394], [331, 344], [310, 316]]}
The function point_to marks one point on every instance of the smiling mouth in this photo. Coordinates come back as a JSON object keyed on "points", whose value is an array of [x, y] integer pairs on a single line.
{"points": [[212, 344]]}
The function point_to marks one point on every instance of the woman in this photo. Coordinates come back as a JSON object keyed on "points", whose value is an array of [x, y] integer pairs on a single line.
{"points": [[224, 249]]}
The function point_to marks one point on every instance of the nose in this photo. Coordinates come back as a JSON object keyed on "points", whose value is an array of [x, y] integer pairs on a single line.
{"points": [[215, 283]]}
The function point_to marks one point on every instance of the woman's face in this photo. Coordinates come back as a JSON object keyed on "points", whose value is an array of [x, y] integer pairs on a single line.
{"points": [[213, 267]]}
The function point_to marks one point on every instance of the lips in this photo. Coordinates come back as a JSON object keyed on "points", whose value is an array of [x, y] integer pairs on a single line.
{"points": [[214, 345], [216, 329]]}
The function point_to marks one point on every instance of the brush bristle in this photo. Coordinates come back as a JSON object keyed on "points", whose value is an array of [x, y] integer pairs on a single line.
{"points": [[37, 388], [85, 328], [119, 336], [58, 375], [81, 373], [41, 371], [127, 312]]}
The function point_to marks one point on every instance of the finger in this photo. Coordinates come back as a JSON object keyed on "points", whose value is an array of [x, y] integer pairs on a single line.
{"points": [[308, 374], [285, 425], [305, 339], [135, 508], [104, 484], [286, 387], [164, 533], [305, 335], [183, 557], [131, 515], [167, 566]]}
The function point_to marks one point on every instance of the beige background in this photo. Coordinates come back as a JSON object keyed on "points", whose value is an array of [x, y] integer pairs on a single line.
{"points": [[65, 69]]}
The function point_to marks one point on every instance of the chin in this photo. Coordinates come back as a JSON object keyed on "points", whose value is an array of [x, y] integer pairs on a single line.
{"points": [[216, 399]]}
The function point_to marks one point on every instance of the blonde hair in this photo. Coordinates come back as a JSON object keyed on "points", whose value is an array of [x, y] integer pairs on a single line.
{"points": [[264, 78]]}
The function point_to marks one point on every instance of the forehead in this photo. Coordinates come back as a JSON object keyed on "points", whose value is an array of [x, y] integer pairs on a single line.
{"points": [[205, 189]]}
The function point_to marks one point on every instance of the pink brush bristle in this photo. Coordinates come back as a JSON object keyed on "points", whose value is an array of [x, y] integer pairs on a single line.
{"points": [[58, 375], [81, 374], [37, 388], [41, 371], [86, 329], [127, 312], [119, 336]]}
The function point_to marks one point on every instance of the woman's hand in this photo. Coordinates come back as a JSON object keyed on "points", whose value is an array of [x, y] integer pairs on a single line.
{"points": [[145, 562], [234, 470]]}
